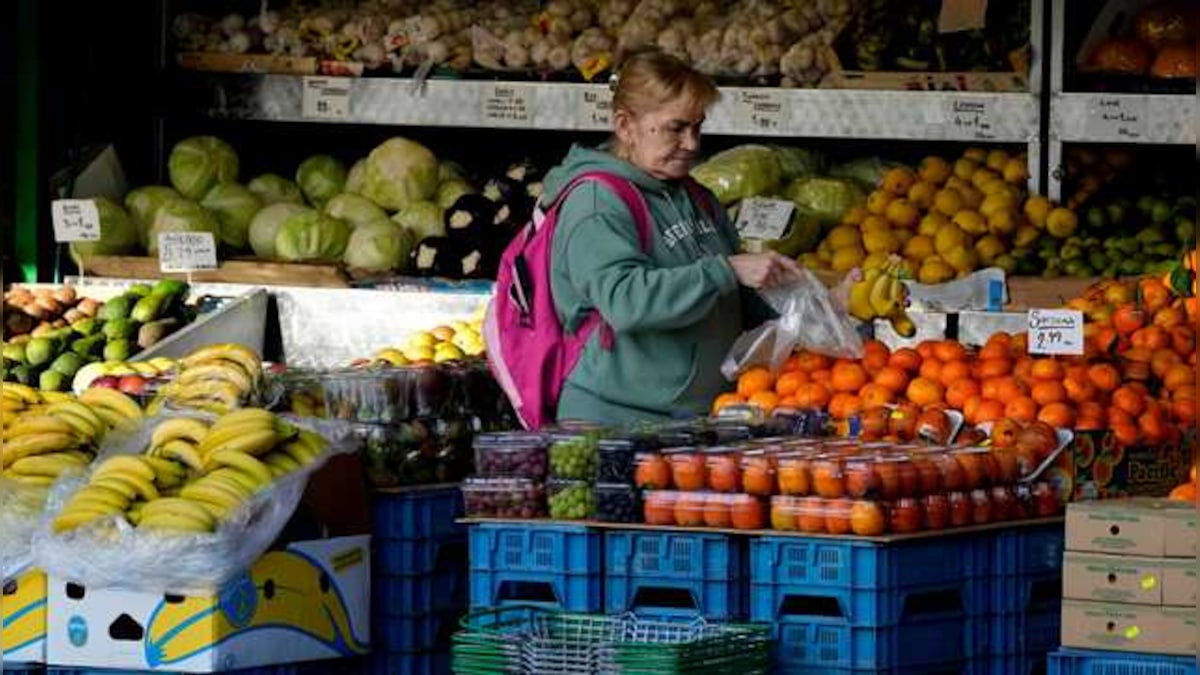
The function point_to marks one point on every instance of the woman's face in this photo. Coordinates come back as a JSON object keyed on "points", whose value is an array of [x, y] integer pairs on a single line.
{"points": [[663, 142]]}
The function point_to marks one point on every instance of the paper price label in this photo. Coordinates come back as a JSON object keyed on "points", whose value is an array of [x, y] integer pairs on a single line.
{"points": [[761, 111], [325, 98], [760, 218], [969, 119], [186, 251], [75, 220], [1055, 331], [507, 104], [1116, 118], [594, 109]]}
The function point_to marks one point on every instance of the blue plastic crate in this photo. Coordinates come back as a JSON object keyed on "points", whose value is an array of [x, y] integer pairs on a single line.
{"points": [[952, 668], [536, 563], [819, 645], [407, 595], [1029, 633], [417, 633], [865, 583], [665, 573], [418, 663], [418, 556], [305, 668], [1011, 664], [1088, 662], [1027, 567], [419, 513]]}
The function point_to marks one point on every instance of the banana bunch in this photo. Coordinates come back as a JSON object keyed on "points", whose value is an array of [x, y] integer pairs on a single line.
{"points": [[217, 378], [16, 398], [879, 294], [50, 438], [194, 474]]}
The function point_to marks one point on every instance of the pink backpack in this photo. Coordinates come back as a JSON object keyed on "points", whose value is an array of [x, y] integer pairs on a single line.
{"points": [[529, 352]]}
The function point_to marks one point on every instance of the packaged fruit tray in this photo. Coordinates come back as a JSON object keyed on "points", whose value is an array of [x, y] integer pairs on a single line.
{"points": [[504, 498]]}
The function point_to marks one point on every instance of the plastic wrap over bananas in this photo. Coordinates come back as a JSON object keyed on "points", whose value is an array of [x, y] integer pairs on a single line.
{"points": [[184, 504]]}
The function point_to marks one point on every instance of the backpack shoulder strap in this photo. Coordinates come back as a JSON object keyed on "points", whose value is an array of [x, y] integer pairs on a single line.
{"points": [[628, 193], [703, 197]]}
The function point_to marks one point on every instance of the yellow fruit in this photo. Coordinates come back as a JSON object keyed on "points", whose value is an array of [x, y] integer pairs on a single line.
{"points": [[993, 203], [897, 181], [418, 353], [903, 235], [1037, 209], [958, 183], [810, 261], [1003, 222], [878, 200], [972, 198], [422, 339], [1016, 171], [983, 176], [855, 215], [977, 155], [934, 170], [962, 259], [965, 168], [907, 269], [950, 238], [874, 223], [843, 236], [919, 247], [970, 222], [931, 223], [846, 259], [993, 186], [1025, 236], [1006, 262], [997, 160], [948, 201], [880, 242], [921, 194], [876, 260], [1061, 223], [934, 270], [989, 248], [825, 252], [902, 213]]}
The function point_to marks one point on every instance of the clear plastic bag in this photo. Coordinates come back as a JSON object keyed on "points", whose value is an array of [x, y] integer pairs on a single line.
{"points": [[808, 319], [113, 554], [20, 510]]}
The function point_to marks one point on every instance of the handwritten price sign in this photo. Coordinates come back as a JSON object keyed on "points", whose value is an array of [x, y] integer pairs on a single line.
{"points": [[594, 109], [507, 104], [325, 98], [760, 111], [760, 218], [1116, 118], [186, 251], [75, 220], [1055, 331], [971, 118]]}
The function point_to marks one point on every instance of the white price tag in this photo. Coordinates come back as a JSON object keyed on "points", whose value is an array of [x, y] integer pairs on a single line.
{"points": [[1116, 118], [75, 220], [594, 110], [506, 104], [326, 98], [186, 251], [760, 218], [760, 110], [1055, 331], [969, 118]]}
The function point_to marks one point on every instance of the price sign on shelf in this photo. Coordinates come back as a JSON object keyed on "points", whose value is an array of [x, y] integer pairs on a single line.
{"points": [[760, 218], [75, 220], [594, 109], [759, 110], [505, 104], [1116, 118], [186, 251], [970, 118], [1055, 331], [325, 98]]}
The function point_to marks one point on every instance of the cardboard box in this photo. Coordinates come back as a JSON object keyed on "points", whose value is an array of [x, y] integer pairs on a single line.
{"points": [[23, 618], [1129, 628], [1179, 583], [307, 602], [1122, 579], [1095, 467], [1156, 528]]}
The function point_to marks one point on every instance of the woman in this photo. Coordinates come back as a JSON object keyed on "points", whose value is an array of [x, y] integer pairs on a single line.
{"points": [[677, 309]]}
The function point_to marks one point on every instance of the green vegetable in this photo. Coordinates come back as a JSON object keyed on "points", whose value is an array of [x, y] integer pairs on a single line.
{"points": [[737, 173], [235, 207], [272, 189], [321, 177], [143, 202], [867, 171], [356, 177], [378, 247], [118, 233], [825, 199], [797, 162], [311, 235], [354, 209], [449, 191], [266, 225], [181, 215], [198, 163], [398, 173], [423, 219]]}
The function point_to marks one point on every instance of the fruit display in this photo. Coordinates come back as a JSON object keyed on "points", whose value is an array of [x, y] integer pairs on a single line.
{"points": [[571, 500], [1157, 47], [217, 378], [1185, 492], [512, 455], [44, 309], [617, 503], [139, 379], [456, 341], [504, 498], [879, 294], [574, 457], [50, 355], [778, 42], [193, 475], [416, 452]]}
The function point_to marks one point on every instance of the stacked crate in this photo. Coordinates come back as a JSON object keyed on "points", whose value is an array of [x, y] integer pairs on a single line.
{"points": [[1024, 611]]}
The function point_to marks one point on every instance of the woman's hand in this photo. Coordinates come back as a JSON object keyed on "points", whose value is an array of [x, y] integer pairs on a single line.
{"points": [[763, 270]]}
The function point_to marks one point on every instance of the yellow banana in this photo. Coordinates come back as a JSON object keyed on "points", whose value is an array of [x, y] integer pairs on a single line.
{"points": [[187, 428], [243, 415], [218, 437], [55, 396], [217, 390], [166, 471], [903, 324], [11, 405], [881, 297], [242, 483], [183, 452], [241, 355], [213, 492], [23, 392], [281, 464], [37, 424], [52, 465], [32, 481], [175, 522], [70, 520], [860, 301], [222, 370], [131, 485], [81, 411], [116, 401], [254, 443], [243, 463], [217, 513], [35, 444], [100, 495], [125, 464], [178, 506]]}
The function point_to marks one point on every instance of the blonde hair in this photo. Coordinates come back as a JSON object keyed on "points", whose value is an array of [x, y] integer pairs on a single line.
{"points": [[651, 79]]}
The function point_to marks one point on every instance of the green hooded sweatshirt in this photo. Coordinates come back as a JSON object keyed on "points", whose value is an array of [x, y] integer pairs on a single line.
{"points": [[675, 311]]}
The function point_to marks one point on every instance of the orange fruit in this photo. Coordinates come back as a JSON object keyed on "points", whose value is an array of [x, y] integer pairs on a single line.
{"points": [[1125, 434], [1153, 426], [1019, 345], [755, 380], [844, 405], [789, 382], [949, 350], [1021, 408], [875, 355], [995, 367], [875, 394], [848, 377], [1080, 389], [1129, 400], [823, 376], [1127, 319], [1047, 392], [809, 362], [926, 349], [960, 391], [812, 395], [924, 391], [893, 378], [1058, 415], [906, 359], [1047, 369], [989, 411], [1009, 388], [953, 371], [725, 400], [1178, 376], [1023, 369], [1162, 359], [970, 408], [1104, 376], [931, 369], [1183, 493], [765, 400]]}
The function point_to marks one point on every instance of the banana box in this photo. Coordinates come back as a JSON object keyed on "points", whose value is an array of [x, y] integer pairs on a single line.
{"points": [[307, 602], [23, 618]]}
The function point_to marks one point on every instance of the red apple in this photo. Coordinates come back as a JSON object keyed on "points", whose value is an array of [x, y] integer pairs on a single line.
{"points": [[132, 384], [107, 382]]}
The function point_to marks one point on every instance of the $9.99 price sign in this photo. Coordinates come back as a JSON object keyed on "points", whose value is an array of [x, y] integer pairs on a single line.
{"points": [[186, 251], [1055, 331]]}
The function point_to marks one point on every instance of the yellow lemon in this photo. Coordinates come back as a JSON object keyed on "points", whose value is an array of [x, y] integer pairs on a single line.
{"points": [[878, 201], [897, 181], [1016, 171], [970, 222], [422, 339], [934, 170], [1037, 209], [418, 353], [903, 235], [934, 270], [1003, 222], [447, 353], [880, 242], [846, 259], [874, 223], [958, 183], [965, 168], [843, 236], [972, 197], [995, 202], [875, 260], [921, 194], [948, 201], [963, 259], [997, 159], [982, 176], [977, 155], [1006, 262], [992, 187], [950, 238], [919, 247], [931, 223], [810, 261], [989, 248], [1025, 236], [855, 215], [825, 252], [902, 213], [1061, 222]]}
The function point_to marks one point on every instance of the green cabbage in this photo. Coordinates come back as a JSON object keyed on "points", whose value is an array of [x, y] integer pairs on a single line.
{"points": [[354, 209], [118, 233], [797, 162], [311, 235], [181, 215], [737, 173], [378, 247], [272, 189], [235, 206], [398, 173], [448, 170], [198, 163], [449, 191], [321, 177], [867, 171], [356, 177], [143, 202], [825, 199], [423, 219], [266, 225]]}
